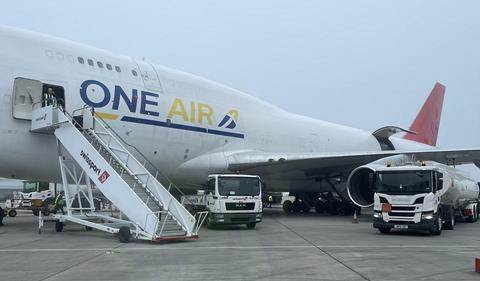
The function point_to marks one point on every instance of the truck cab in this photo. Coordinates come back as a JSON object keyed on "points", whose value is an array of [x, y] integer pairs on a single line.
{"points": [[234, 199], [229, 199], [407, 198], [423, 197]]}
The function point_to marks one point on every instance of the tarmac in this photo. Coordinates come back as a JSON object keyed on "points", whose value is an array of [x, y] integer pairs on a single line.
{"points": [[282, 247]]}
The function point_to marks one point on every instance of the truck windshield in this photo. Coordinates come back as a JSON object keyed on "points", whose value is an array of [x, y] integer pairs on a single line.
{"points": [[241, 186], [404, 182]]}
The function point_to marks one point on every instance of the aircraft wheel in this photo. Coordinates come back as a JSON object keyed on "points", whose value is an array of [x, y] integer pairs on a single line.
{"points": [[320, 207], [297, 206], [305, 207], [12, 213], [124, 234], [58, 226], [287, 206], [332, 209]]}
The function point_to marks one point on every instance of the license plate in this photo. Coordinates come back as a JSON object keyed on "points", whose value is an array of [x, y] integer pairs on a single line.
{"points": [[401, 226]]}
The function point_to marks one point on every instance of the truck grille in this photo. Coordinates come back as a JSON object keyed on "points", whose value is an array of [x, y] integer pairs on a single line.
{"points": [[403, 208], [401, 214], [240, 206], [402, 211]]}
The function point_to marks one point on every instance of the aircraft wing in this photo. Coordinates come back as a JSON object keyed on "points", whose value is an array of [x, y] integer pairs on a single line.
{"points": [[323, 164]]}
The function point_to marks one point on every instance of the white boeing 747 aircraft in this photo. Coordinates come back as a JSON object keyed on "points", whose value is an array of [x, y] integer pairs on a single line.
{"points": [[190, 127]]}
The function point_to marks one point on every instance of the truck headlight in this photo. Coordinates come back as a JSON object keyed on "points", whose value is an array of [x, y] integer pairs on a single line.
{"points": [[377, 215], [427, 216]]}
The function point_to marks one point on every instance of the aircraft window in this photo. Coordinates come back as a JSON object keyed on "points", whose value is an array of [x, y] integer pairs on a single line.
{"points": [[134, 73], [100, 64], [90, 62], [109, 66], [81, 60], [117, 68]]}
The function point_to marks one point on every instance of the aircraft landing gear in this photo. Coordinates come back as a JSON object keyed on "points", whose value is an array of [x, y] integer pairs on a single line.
{"points": [[300, 203]]}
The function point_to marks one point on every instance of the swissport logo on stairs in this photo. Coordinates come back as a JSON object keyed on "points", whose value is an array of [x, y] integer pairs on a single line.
{"points": [[104, 176]]}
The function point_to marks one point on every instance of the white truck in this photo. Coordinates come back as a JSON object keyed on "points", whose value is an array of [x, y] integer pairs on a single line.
{"points": [[423, 196], [229, 199], [36, 196]]}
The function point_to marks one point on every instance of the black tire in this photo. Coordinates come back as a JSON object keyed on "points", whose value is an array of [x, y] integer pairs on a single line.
{"points": [[251, 225], [475, 213], [320, 207], [46, 212], [384, 230], [88, 228], [2, 214], [305, 207], [210, 224], [124, 234], [333, 208], [438, 225], [287, 206], [297, 206], [58, 226], [449, 220], [35, 212], [12, 213]]}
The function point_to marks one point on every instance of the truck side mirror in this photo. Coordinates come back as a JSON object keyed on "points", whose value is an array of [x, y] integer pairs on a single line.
{"points": [[440, 183]]}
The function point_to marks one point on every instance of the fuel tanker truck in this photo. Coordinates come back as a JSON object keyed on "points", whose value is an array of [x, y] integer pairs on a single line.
{"points": [[417, 195]]}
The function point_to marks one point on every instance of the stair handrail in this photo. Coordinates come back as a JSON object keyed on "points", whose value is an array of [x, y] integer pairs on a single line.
{"points": [[144, 159]]}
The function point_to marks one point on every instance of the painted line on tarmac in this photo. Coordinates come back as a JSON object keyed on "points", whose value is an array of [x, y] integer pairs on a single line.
{"points": [[162, 247]]}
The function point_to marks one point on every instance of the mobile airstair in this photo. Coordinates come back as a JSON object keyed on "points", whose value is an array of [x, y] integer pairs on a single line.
{"points": [[91, 153]]}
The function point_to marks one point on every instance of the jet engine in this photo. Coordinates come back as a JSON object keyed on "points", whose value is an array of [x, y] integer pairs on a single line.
{"points": [[361, 182]]}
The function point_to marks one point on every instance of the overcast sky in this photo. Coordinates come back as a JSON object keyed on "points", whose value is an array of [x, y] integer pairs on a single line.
{"points": [[364, 64]]}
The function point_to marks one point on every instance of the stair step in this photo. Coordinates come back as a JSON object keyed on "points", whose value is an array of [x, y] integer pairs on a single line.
{"points": [[172, 233]]}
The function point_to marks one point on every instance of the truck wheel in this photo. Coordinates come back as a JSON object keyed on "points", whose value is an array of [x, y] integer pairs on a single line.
{"points": [[287, 206], [2, 214], [210, 224], [124, 234], [384, 230], [58, 226], [438, 226], [449, 220], [475, 214], [12, 213], [251, 225]]}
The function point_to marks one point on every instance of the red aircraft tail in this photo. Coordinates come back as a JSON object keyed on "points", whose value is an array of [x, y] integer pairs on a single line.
{"points": [[428, 119]]}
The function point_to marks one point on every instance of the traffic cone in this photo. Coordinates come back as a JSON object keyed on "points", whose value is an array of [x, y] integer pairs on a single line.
{"points": [[355, 218]]}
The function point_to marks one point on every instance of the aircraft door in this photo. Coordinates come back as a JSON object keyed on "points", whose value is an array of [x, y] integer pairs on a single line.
{"points": [[149, 76], [26, 94]]}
